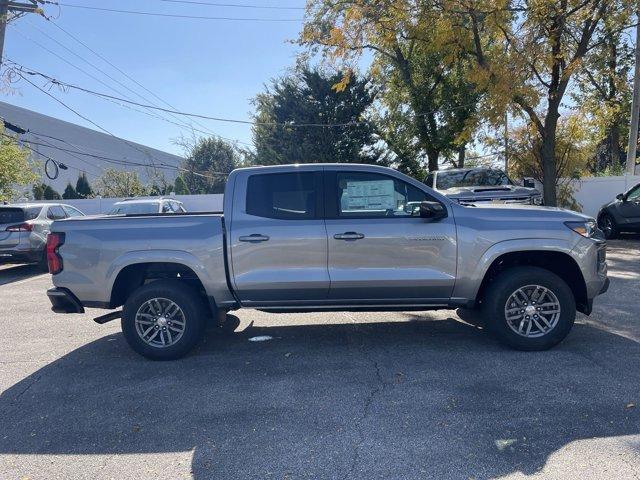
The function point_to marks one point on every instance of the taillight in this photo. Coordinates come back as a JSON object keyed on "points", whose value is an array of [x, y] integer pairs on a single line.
{"points": [[54, 260], [23, 227]]}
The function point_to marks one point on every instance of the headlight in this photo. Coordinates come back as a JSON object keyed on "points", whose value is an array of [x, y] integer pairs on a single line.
{"points": [[586, 228], [536, 200]]}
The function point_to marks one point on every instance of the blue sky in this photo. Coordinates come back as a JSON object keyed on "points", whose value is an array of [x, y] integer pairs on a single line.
{"points": [[204, 66]]}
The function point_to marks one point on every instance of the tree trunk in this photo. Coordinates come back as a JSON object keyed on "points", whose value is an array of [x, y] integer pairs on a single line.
{"points": [[462, 152], [548, 156], [432, 156], [614, 148]]}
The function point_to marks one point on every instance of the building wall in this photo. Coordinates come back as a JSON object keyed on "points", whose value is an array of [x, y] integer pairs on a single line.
{"points": [[70, 139]]}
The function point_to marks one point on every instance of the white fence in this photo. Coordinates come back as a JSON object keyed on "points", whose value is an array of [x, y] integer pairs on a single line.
{"points": [[593, 192], [193, 203]]}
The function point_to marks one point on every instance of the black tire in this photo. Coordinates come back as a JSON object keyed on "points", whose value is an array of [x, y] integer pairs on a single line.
{"points": [[507, 283], [185, 297], [608, 226], [43, 264]]}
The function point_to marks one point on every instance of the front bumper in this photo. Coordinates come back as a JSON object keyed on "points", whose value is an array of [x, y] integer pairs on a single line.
{"points": [[63, 301]]}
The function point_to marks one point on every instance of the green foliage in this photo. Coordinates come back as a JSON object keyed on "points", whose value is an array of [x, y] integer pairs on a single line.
{"points": [[69, 192], [38, 191], [83, 188], [181, 187], [207, 164], [15, 168], [310, 96], [119, 183], [50, 194]]}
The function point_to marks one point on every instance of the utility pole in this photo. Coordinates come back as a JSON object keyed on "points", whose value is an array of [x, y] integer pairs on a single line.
{"points": [[635, 104], [5, 7]]}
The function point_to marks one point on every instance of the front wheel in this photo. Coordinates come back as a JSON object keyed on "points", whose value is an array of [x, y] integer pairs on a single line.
{"points": [[529, 308], [163, 320], [608, 226]]}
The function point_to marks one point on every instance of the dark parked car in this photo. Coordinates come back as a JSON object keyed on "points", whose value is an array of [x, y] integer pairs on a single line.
{"points": [[622, 214], [24, 228]]}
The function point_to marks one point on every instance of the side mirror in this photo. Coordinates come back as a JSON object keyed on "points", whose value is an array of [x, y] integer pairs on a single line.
{"points": [[621, 196], [528, 182], [432, 210]]}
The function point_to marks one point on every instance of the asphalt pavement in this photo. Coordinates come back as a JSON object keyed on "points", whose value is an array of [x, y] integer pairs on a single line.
{"points": [[398, 395]]}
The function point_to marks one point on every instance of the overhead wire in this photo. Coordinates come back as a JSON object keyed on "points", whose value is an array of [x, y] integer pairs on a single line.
{"points": [[188, 124], [177, 15], [21, 70]]}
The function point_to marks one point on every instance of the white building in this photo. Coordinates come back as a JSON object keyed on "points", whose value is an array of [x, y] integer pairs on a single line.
{"points": [[84, 150]]}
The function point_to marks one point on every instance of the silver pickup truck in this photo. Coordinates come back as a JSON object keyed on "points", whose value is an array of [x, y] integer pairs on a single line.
{"points": [[329, 237]]}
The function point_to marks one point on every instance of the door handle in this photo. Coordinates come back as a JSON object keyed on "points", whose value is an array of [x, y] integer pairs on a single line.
{"points": [[348, 236], [254, 238]]}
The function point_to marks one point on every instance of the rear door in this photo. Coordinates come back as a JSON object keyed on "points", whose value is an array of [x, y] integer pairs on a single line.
{"points": [[278, 237], [380, 250]]}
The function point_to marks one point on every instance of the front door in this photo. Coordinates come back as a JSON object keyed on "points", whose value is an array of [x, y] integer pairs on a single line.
{"points": [[380, 250], [279, 240], [630, 208]]}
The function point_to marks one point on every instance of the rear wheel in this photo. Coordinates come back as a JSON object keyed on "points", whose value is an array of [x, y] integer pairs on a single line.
{"points": [[529, 308], [609, 226], [163, 320]]}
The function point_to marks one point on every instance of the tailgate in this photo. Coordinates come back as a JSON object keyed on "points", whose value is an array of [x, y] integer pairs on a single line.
{"points": [[8, 239]]}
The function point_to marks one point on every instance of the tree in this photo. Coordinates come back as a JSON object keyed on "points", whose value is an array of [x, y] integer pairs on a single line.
{"points": [[83, 188], [429, 103], [527, 53], [69, 192], [207, 164], [307, 96], [50, 194], [181, 187], [15, 168], [38, 191], [119, 183], [604, 93], [574, 151]]}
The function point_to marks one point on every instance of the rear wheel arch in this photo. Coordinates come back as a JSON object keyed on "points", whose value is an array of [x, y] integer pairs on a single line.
{"points": [[133, 276], [559, 263]]}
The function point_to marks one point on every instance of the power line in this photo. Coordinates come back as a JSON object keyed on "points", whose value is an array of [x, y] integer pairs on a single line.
{"points": [[21, 71], [127, 88], [206, 131], [176, 15], [148, 154], [232, 5]]}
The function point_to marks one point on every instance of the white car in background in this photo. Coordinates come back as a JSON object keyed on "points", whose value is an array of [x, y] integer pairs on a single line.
{"points": [[147, 206]]}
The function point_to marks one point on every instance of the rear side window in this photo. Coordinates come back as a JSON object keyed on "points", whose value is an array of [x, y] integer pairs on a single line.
{"points": [[289, 196], [56, 213]]}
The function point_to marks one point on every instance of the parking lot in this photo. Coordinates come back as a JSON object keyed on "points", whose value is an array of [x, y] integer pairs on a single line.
{"points": [[331, 395]]}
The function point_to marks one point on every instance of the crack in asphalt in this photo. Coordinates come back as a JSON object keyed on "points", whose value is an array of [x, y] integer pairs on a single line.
{"points": [[366, 410]]}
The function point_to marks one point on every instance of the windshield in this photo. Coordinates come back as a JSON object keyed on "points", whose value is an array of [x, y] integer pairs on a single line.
{"points": [[134, 208], [481, 177]]}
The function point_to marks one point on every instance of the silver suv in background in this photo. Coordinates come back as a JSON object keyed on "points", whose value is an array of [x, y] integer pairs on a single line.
{"points": [[146, 206], [481, 185], [24, 228]]}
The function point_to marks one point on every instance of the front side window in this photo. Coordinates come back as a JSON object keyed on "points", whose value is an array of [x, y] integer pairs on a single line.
{"points": [[634, 194], [72, 212], [362, 194], [288, 196]]}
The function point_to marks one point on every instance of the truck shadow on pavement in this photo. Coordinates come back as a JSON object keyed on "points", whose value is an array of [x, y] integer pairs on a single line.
{"points": [[415, 399], [16, 273]]}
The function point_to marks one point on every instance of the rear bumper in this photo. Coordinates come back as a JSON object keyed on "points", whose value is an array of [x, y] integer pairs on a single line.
{"points": [[63, 301], [20, 256]]}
